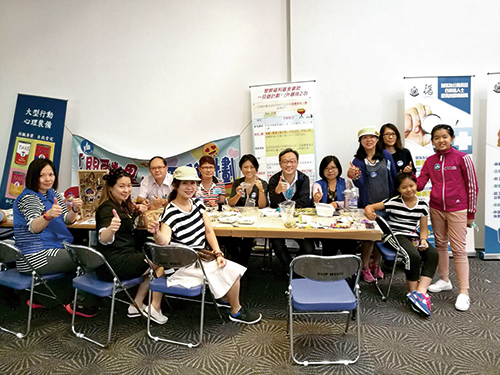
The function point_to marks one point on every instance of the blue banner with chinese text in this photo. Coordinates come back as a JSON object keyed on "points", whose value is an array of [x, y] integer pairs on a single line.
{"points": [[37, 132]]}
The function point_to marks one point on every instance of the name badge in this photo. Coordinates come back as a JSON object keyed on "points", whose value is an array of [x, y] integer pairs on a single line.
{"points": [[400, 163], [373, 175], [217, 191], [289, 194]]}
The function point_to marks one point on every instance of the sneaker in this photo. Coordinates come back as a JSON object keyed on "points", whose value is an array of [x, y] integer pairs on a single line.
{"points": [[245, 316], [35, 305], [463, 302], [84, 311], [132, 311], [376, 271], [223, 304], [439, 286], [367, 275], [421, 302], [156, 316]]}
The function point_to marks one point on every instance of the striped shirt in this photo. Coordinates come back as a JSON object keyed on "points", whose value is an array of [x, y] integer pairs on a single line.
{"points": [[402, 219], [31, 207], [188, 228], [212, 194]]}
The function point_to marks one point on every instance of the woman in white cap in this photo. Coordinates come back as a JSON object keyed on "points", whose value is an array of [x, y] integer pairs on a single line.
{"points": [[185, 222], [373, 173]]}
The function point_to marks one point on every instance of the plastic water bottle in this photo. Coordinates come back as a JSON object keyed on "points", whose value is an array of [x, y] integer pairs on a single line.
{"points": [[353, 200], [251, 201], [347, 199]]}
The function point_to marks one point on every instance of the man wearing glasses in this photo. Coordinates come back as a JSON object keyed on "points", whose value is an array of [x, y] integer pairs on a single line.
{"points": [[289, 184], [156, 187]]}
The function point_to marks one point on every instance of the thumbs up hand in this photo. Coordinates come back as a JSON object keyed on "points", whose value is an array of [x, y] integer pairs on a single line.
{"points": [[408, 168], [282, 186], [353, 172], [115, 222], [56, 210]]}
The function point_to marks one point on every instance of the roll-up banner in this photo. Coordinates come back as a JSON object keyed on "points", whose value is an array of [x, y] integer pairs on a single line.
{"points": [[430, 101], [37, 132], [492, 171], [282, 117]]}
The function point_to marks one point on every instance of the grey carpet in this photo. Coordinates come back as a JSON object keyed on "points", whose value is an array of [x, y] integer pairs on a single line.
{"points": [[395, 340]]}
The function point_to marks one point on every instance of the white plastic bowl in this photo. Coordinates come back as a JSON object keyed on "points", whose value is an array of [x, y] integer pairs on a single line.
{"points": [[324, 209]]}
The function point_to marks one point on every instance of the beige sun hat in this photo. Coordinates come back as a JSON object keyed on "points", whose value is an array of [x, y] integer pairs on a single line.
{"points": [[185, 173], [368, 130]]}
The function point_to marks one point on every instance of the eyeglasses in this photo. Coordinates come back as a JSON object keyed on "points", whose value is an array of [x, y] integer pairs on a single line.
{"points": [[208, 167], [390, 135], [156, 168], [331, 169], [291, 162]]}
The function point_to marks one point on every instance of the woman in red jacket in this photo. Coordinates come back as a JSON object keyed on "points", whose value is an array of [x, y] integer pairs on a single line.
{"points": [[452, 208]]}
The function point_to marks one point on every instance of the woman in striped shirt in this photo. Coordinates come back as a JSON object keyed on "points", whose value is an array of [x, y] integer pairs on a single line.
{"points": [[211, 190], [40, 218], [405, 214], [185, 222]]}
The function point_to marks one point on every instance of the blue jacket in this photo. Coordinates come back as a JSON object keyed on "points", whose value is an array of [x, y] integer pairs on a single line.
{"points": [[50, 238], [340, 189], [361, 183]]}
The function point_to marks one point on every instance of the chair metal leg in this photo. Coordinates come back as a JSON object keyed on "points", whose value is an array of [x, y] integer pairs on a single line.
{"points": [[202, 318], [81, 335], [386, 295]]}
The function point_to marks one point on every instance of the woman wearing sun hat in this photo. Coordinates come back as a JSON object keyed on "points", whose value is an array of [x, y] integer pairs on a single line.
{"points": [[185, 221], [373, 173]]}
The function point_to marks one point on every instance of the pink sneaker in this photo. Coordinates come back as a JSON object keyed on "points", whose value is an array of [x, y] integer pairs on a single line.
{"points": [[376, 271], [427, 299], [367, 275]]}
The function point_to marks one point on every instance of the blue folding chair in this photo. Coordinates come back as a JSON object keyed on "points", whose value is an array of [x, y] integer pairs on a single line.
{"points": [[174, 257], [11, 278], [318, 286], [86, 280], [388, 254]]}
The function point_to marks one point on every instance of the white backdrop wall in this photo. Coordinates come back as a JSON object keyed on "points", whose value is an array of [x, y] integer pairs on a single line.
{"points": [[142, 77], [359, 52], [162, 76]]}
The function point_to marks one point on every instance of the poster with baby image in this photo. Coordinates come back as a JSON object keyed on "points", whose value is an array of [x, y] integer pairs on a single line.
{"points": [[492, 171], [430, 101]]}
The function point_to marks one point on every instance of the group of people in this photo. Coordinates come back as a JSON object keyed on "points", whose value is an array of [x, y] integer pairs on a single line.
{"points": [[382, 170]]}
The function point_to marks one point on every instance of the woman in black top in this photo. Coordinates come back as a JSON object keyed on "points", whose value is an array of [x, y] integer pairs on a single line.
{"points": [[246, 189], [390, 140], [115, 222]]}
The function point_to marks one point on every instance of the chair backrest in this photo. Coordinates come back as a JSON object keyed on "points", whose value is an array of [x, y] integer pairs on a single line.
{"points": [[388, 233], [86, 257], [384, 226], [171, 256], [326, 268], [9, 253]]}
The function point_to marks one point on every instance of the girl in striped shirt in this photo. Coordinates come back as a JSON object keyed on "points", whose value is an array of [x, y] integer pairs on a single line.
{"points": [[405, 213]]}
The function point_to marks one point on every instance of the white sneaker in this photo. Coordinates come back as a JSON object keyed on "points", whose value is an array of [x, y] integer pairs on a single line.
{"points": [[439, 286], [463, 302], [156, 316], [132, 311]]}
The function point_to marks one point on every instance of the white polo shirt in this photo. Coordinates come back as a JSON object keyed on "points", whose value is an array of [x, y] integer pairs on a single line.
{"points": [[150, 188]]}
